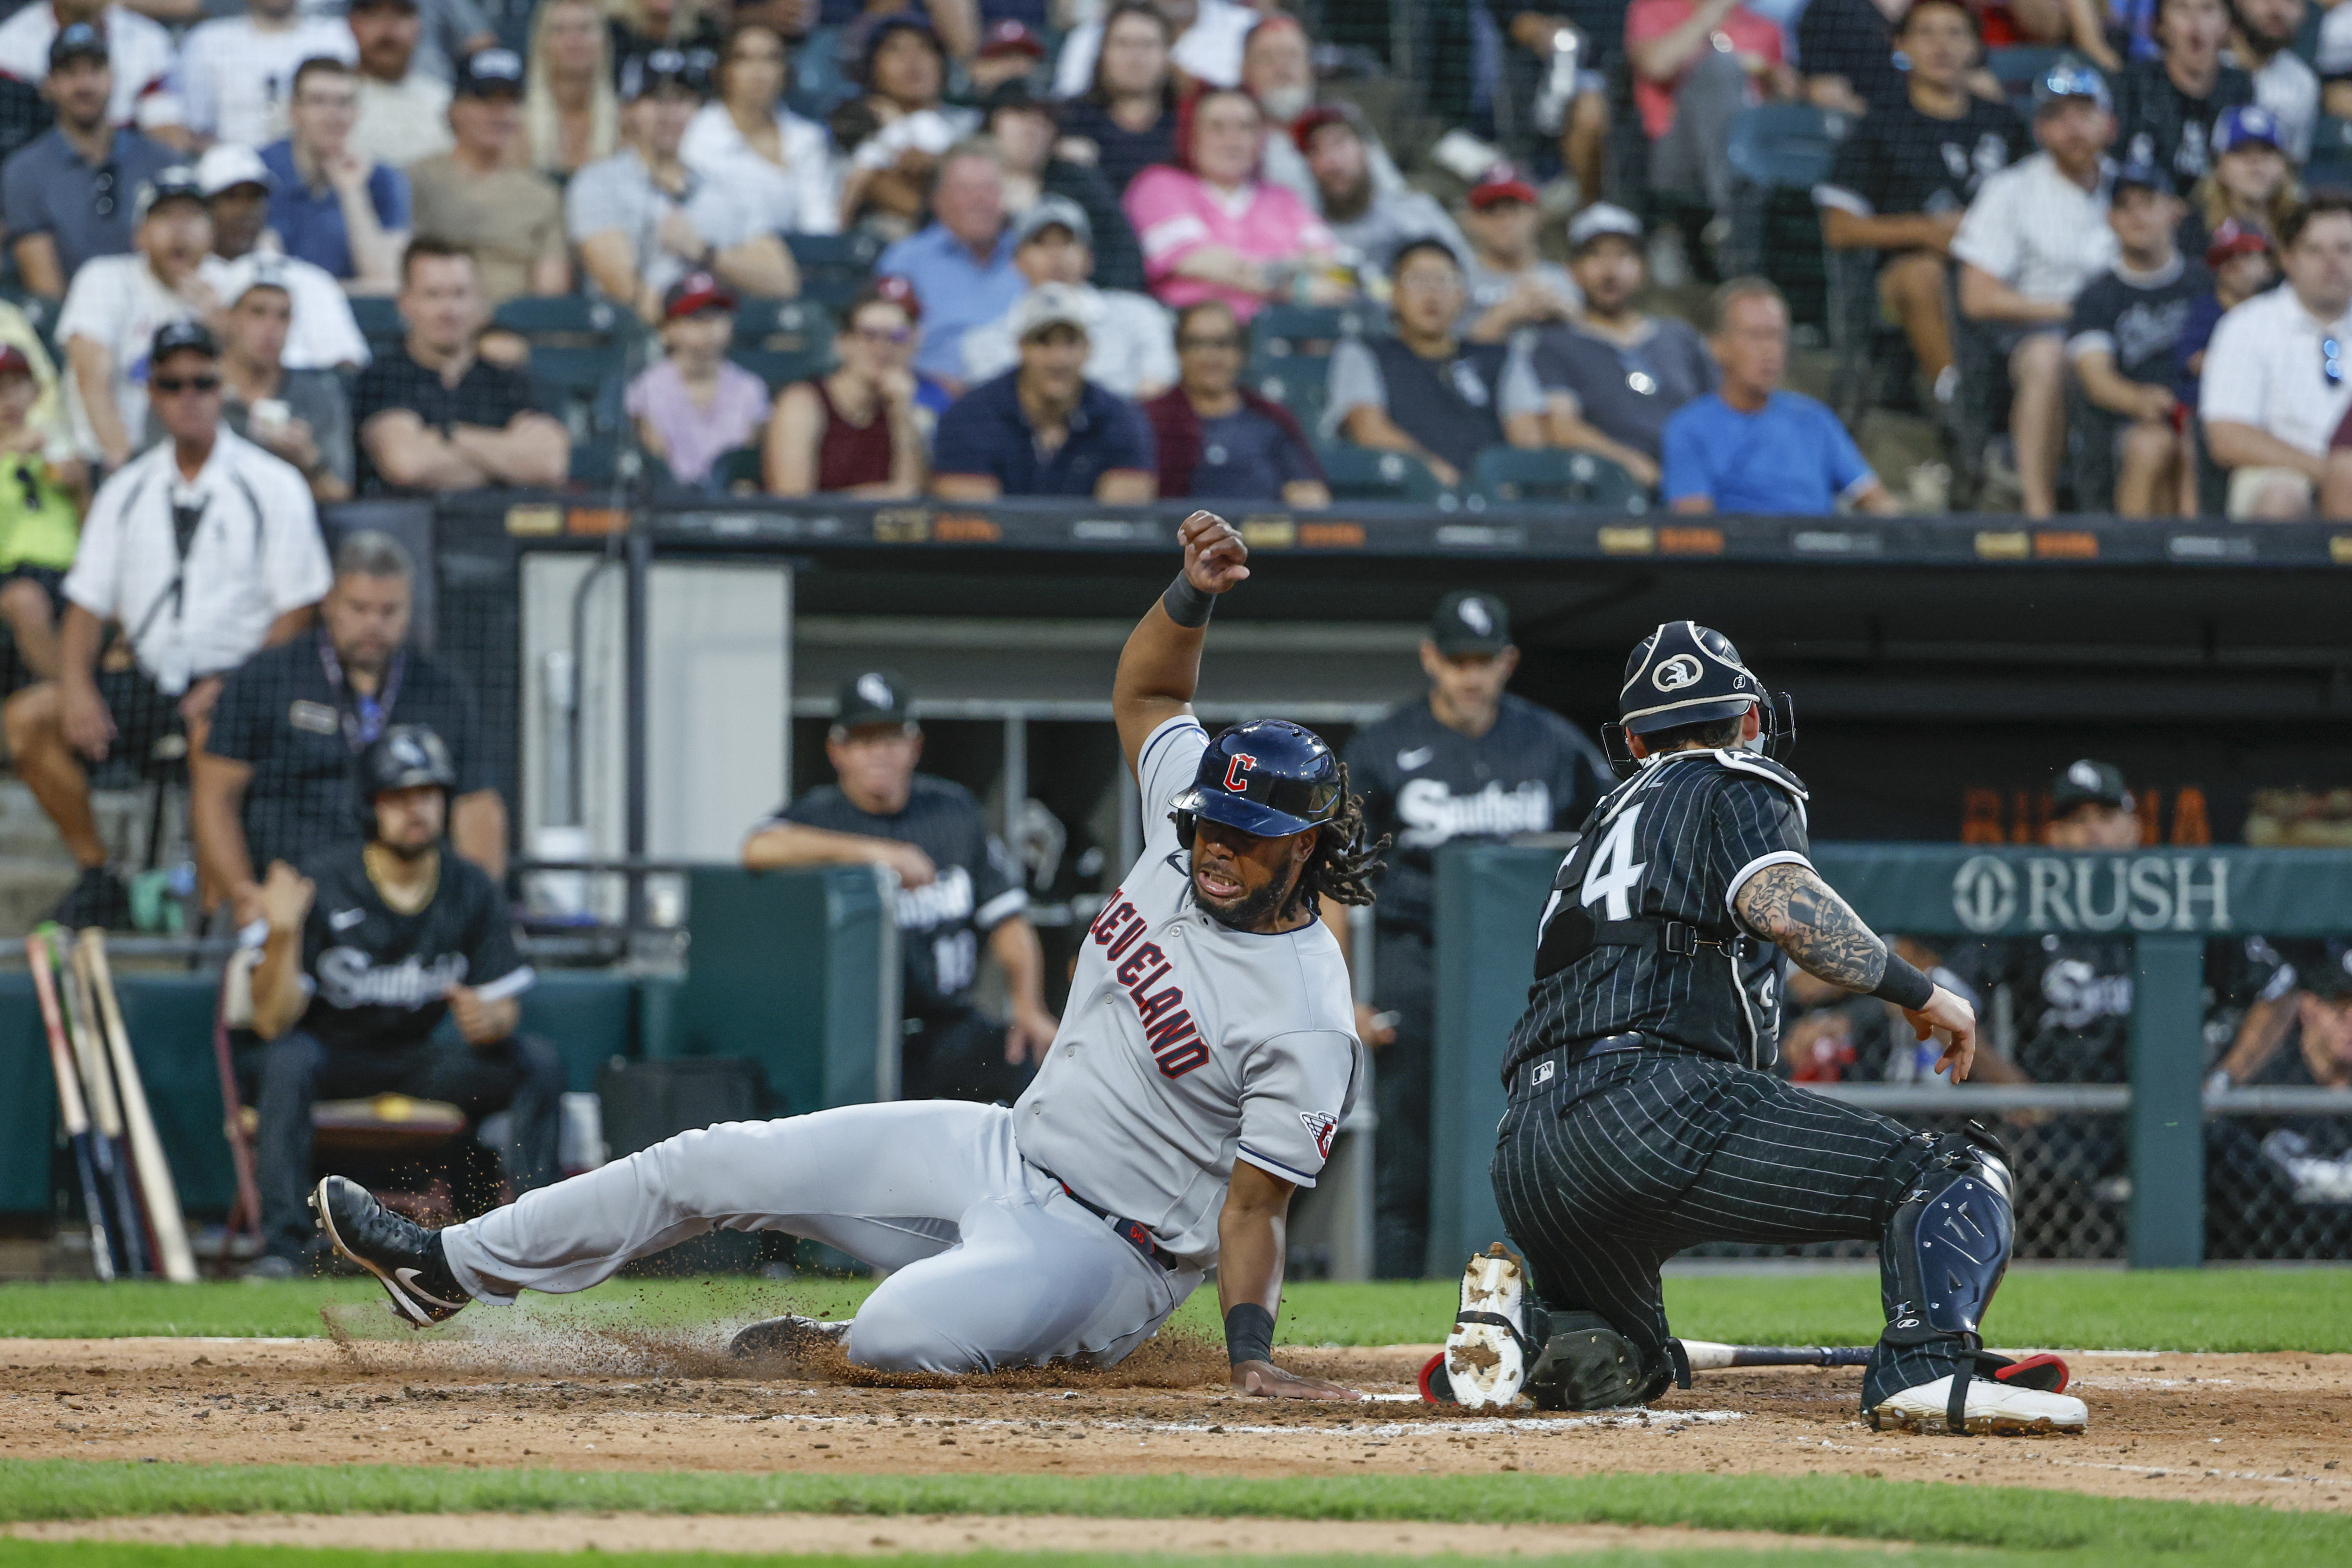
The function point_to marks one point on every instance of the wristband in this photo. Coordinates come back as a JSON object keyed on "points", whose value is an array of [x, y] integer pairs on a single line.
{"points": [[1249, 1333], [1903, 985], [1185, 605]]}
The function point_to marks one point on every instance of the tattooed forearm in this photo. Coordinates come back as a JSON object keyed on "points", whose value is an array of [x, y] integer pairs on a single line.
{"points": [[1804, 918]]}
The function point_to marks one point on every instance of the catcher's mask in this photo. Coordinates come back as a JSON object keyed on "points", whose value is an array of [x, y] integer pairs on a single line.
{"points": [[1684, 673]]}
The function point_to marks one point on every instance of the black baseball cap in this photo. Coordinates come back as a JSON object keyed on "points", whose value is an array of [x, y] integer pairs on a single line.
{"points": [[643, 75], [1470, 622], [874, 697], [177, 183], [80, 42], [2141, 174], [189, 336], [488, 73], [2089, 783]]}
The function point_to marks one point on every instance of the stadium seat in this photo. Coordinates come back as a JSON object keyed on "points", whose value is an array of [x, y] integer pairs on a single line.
{"points": [[833, 267], [378, 317], [820, 80], [740, 467], [1279, 331], [538, 316], [1359, 473], [1302, 386], [1511, 474], [1785, 146], [1779, 152], [782, 341]]}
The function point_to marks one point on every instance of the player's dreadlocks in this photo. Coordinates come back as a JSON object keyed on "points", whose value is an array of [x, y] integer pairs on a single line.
{"points": [[1344, 854]]}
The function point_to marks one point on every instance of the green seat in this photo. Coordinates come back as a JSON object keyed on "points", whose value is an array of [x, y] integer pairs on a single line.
{"points": [[782, 341], [1303, 386], [536, 316], [739, 466], [1509, 474], [378, 318], [1359, 473], [1280, 331]]}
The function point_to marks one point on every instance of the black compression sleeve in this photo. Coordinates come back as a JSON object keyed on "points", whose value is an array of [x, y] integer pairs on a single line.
{"points": [[1904, 985], [1185, 605], [1249, 1333]]}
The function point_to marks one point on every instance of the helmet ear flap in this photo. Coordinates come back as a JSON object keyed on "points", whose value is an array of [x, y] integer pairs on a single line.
{"points": [[1619, 750], [1778, 713], [1186, 822]]}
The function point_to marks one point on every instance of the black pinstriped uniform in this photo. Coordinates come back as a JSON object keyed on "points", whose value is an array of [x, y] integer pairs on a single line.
{"points": [[1638, 1123]]}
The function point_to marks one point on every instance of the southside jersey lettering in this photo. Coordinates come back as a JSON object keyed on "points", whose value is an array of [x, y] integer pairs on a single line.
{"points": [[378, 978]]}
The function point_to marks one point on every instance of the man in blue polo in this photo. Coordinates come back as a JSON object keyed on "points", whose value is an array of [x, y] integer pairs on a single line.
{"points": [[961, 265], [1749, 447], [1043, 428]]}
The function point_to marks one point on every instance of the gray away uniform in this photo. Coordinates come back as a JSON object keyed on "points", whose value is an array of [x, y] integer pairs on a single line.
{"points": [[1185, 1045]]}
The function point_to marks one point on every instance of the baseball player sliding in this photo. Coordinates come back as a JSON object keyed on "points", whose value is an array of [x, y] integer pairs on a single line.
{"points": [[1207, 1055], [1641, 1118]]}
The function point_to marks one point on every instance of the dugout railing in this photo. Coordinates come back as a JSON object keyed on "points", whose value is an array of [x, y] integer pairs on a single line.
{"points": [[2169, 902]]}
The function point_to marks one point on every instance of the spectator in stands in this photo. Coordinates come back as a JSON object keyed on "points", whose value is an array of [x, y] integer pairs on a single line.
{"points": [[961, 265], [1010, 52], [1216, 439], [1751, 447], [955, 23], [1846, 48], [65, 195], [1128, 114], [510, 219], [1133, 353], [1367, 223], [858, 429], [2238, 264], [2035, 234], [2165, 108], [139, 91], [1043, 429], [371, 946], [237, 187], [695, 404], [1612, 376], [1278, 71], [331, 205], [640, 26], [1206, 37], [2334, 62], [748, 143], [571, 115], [236, 73], [1421, 389], [1212, 230], [2121, 339], [1511, 286], [1900, 185], [890, 167], [433, 416], [116, 304], [958, 887], [203, 550], [273, 780], [2262, 41], [2276, 382], [40, 515], [1024, 127], [643, 220], [449, 30], [1697, 63], [2252, 180], [403, 108], [301, 416]]}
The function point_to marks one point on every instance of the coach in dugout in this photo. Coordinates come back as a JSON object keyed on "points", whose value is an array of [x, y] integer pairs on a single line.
{"points": [[371, 945], [955, 884], [1468, 761], [273, 780]]}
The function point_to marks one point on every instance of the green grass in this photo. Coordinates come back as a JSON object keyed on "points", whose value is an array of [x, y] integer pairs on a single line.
{"points": [[113, 1554], [2189, 1309], [1933, 1514]]}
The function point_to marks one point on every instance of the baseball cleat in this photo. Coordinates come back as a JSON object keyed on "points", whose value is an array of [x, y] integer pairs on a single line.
{"points": [[786, 1337], [1993, 1409], [1487, 1354], [404, 1256]]}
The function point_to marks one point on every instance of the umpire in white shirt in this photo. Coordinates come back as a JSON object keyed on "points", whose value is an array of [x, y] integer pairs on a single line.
{"points": [[198, 551]]}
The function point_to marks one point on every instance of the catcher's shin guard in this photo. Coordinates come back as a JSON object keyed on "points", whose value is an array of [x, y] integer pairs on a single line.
{"points": [[1943, 1256]]}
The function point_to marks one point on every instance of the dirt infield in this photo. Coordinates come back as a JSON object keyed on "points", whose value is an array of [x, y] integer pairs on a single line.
{"points": [[2274, 1429]]}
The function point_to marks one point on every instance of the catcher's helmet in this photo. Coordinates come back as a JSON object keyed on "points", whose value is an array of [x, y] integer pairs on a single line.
{"points": [[1684, 673], [1267, 776], [404, 756]]}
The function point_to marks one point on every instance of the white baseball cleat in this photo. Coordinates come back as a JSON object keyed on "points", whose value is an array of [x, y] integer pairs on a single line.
{"points": [[1487, 1353], [1993, 1409]]}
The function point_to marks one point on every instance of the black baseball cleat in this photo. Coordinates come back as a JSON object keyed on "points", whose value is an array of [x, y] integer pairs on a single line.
{"points": [[404, 1256]]}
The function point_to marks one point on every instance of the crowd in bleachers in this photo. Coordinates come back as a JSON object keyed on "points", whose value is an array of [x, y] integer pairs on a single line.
{"points": [[970, 248]]}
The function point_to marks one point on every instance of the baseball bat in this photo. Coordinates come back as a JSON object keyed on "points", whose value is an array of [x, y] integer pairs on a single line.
{"points": [[177, 1259], [70, 1104], [105, 1110], [1705, 1356]]}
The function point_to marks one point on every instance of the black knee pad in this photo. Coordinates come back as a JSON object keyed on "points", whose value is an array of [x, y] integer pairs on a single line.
{"points": [[1586, 1364], [1948, 1242]]}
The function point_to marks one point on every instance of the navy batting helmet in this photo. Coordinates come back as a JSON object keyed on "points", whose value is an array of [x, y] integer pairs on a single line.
{"points": [[404, 756], [1267, 776], [1684, 673]]}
